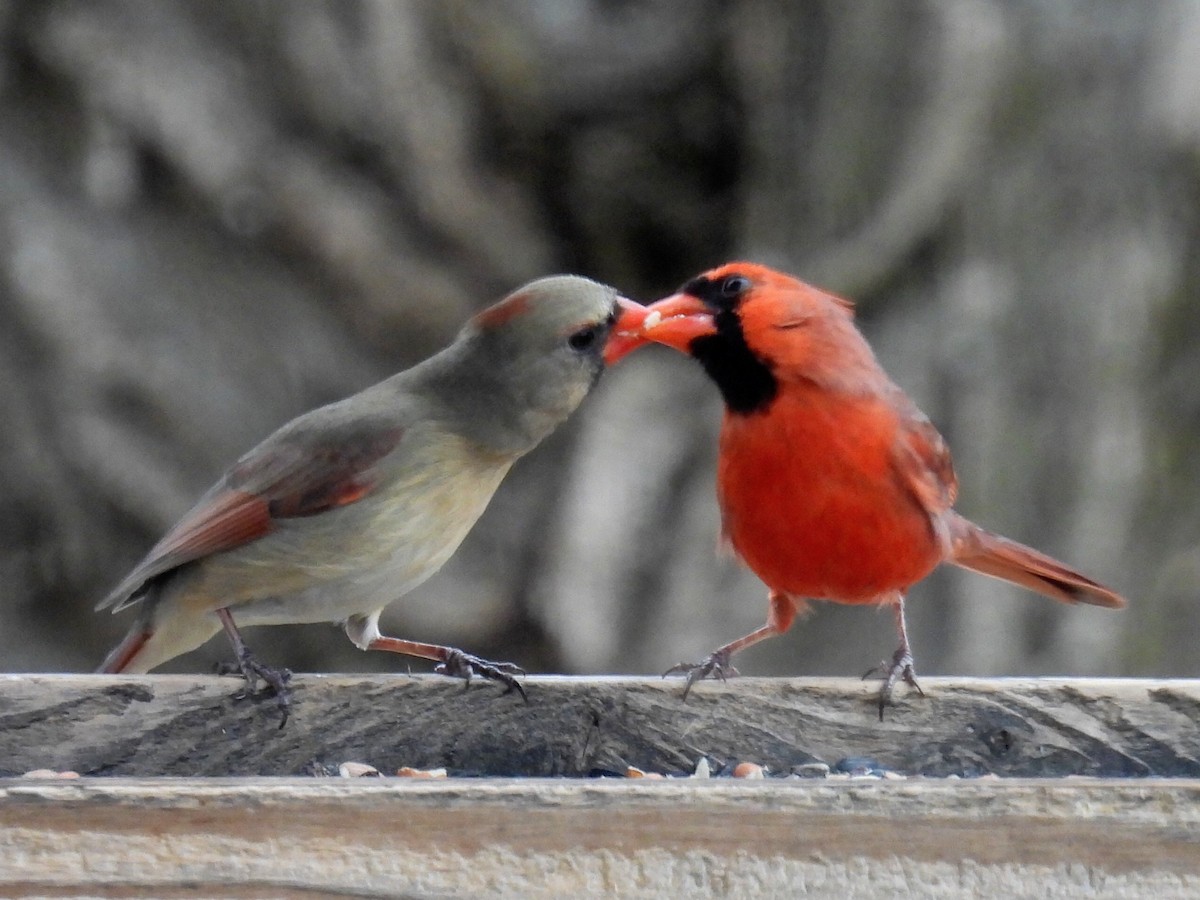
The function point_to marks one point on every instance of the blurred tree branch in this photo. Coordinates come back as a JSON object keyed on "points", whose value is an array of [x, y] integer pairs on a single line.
{"points": [[214, 216]]}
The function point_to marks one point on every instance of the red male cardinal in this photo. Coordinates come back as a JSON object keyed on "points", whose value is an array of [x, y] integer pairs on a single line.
{"points": [[352, 505], [832, 484]]}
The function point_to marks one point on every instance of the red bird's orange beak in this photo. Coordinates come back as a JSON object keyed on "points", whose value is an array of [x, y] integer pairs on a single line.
{"points": [[626, 335], [677, 321]]}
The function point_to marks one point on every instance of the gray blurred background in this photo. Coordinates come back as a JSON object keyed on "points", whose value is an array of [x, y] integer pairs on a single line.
{"points": [[214, 216]]}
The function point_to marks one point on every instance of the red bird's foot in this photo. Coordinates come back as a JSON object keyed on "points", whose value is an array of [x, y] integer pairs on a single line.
{"points": [[458, 664], [276, 680], [900, 668], [715, 665]]}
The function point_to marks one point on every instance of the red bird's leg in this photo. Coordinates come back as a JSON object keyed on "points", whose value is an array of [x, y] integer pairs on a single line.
{"points": [[454, 662], [252, 669], [781, 614], [901, 666]]}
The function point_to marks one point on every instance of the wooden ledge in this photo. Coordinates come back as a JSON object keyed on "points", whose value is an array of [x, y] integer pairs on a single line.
{"points": [[193, 725], [613, 837], [540, 837]]}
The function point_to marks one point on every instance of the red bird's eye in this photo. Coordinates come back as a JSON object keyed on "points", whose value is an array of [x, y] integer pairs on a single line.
{"points": [[735, 286]]}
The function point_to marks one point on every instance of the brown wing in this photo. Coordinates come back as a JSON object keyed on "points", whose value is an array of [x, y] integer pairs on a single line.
{"points": [[291, 474]]}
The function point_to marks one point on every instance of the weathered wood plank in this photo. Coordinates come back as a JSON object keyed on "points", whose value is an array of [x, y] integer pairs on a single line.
{"points": [[190, 725], [501, 838]]}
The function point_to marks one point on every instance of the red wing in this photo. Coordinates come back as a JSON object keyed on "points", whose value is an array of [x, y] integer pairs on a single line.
{"points": [[923, 459], [285, 477]]}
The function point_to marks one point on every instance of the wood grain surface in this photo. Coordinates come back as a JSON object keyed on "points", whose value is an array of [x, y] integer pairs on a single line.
{"points": [[195, 726], [608, 837]]}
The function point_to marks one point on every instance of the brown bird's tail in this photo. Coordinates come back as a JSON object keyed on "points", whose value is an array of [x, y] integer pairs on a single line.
{"points": [[124, 653], [991, 554]]}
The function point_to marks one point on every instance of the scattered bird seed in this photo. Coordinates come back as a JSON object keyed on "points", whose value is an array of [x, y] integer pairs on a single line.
{"points": [[635, 772], [749, 770], [811, 770], [357, 770]]}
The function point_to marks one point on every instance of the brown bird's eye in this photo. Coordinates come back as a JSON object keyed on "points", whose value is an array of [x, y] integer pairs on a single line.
{"points": [[583, 338], [735, 286]]}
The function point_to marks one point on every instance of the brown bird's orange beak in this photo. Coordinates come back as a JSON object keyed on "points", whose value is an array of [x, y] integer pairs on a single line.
{"points": [[677, 321], [626, 335]]}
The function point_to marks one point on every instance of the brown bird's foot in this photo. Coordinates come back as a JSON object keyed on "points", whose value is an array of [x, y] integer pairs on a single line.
{"points": [[715, 665], [252, 669], [276, 680], [458, 664], [899, 669]]}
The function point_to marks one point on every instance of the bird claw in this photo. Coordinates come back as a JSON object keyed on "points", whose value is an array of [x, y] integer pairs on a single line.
{"points": [[275, 679], [715, 665], [458, 664], [899, 669]]}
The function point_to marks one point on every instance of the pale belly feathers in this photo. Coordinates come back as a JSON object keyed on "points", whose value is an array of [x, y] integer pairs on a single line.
{"points": [[353, 560]]}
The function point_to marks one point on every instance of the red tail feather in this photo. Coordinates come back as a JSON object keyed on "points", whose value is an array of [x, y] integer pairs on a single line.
{"points": [[990, 554]]}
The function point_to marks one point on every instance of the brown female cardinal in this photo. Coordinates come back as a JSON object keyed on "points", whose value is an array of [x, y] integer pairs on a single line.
{"points": [[350, 506], [832, 484]]}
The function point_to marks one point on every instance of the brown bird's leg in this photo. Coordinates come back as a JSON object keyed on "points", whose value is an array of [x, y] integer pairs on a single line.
{"points": [[780, 616], [901, 666], [252, 669], [454, 662]]}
